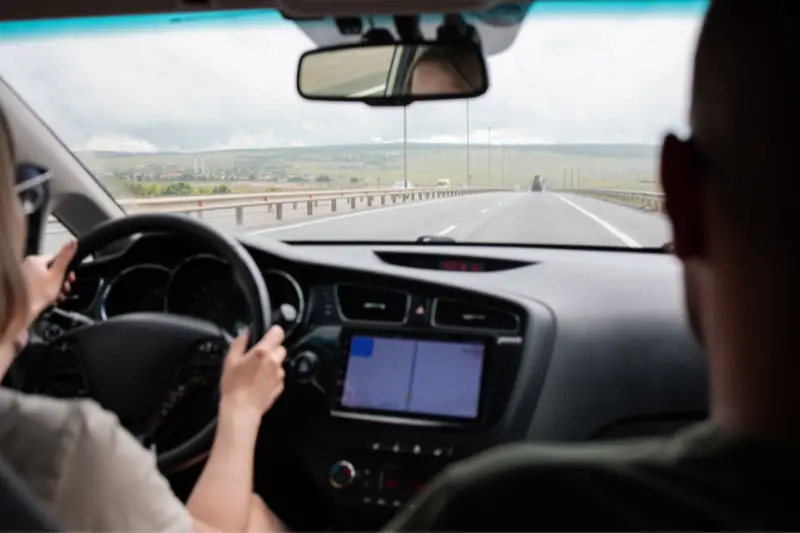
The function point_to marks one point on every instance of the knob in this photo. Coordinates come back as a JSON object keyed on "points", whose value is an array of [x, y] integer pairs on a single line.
{"points": [[284, 314], [303, 366], [342, 475]]}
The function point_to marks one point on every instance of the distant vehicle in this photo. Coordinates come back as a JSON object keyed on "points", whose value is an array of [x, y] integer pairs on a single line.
{"points": [[402, 185], [443, 184], [537, 185]]}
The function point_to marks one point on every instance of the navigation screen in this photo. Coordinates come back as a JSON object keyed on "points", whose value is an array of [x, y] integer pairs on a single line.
{"points": [[414, 376]]}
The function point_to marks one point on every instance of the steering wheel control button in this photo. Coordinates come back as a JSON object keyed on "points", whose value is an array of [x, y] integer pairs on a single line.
{"points": [[303, 367], [342, 475]]}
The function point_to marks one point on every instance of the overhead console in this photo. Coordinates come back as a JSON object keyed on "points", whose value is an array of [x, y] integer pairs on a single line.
{"points": [[395, 384]]}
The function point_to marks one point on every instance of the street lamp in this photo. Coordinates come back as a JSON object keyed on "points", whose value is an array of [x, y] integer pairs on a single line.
{"points": [[490, 125], [405, 149]]}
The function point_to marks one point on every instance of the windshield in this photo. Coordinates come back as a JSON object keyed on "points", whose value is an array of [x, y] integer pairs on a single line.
{"points": [[204, 115]]}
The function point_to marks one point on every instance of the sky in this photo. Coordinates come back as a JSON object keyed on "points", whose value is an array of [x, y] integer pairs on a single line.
{"points": [[565, 79]]}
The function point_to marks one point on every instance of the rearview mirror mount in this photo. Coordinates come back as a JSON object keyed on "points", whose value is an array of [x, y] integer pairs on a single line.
{"points": [[384, 73]]}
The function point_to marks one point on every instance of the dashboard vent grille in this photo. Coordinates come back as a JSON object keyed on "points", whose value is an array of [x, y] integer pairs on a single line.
{"points": [[358, 302], [460, 314], [81, 295]]}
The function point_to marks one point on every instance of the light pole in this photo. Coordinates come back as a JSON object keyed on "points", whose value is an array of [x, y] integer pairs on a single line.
{"points": [[502, 165], [405, 149], [489, 126], [468, 177]]}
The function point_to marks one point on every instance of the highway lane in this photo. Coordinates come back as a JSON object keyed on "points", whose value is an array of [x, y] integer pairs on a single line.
{"points": [[512, 217], [509, 217]]}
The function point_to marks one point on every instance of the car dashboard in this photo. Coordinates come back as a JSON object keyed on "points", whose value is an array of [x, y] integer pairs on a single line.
{"points": [[406, 358]]}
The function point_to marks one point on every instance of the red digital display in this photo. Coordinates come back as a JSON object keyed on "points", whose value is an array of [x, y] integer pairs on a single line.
{"points": [[461, 265], [396, 479]]}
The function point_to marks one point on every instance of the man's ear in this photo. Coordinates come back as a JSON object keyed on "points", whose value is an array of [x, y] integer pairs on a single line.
{"points": [[683, 192]]}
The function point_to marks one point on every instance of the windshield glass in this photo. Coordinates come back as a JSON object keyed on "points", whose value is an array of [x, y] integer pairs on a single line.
{"points": [[202, 114]]}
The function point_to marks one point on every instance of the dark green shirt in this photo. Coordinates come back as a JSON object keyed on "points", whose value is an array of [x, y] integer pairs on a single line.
{"points": [[702, 479]]}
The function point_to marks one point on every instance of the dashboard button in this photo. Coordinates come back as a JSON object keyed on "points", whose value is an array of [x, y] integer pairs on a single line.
{"points": [[366, 479], [342, 474], [303, 366], [416, 449], [376, 446], [397, 504]]}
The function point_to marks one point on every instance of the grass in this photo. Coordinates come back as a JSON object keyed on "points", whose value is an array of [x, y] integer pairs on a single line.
{"points": [[626, 167]]}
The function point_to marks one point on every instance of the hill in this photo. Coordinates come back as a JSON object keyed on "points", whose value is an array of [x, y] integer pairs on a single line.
{"points": [[620, 166]]}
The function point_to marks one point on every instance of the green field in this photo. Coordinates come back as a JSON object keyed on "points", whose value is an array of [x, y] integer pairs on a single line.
{"points": [[631, 167]]}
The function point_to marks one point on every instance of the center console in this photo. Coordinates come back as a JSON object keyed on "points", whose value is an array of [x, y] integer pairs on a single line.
{"points": [[386, 408]]}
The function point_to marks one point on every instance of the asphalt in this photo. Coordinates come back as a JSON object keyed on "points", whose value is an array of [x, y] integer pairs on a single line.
{"points": [[518, 217], [505, 217]]}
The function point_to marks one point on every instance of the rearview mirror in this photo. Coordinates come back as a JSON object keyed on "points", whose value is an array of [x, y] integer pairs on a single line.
{"points": [[393, 74]]}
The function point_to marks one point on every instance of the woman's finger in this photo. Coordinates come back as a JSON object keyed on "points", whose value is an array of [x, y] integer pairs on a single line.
{"points": [[238, 347], [278, 354], [62, 259]]}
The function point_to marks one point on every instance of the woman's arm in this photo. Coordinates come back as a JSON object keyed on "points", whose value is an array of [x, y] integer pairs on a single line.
{"points": [[251, 381], [223, 495]]}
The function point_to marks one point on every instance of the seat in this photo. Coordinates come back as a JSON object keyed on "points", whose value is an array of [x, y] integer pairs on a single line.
{"points": [[19, 509]]}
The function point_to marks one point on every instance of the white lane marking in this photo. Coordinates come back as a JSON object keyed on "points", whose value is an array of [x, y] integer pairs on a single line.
{"points": [[357, 214], [484, 210], [611, 229], [367, 92], [447, 230]]}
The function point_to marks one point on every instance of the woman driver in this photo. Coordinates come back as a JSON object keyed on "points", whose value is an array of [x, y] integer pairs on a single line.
{"points": [[84, 467]]}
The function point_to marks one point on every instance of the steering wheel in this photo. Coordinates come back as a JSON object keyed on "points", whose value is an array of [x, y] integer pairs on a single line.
{"points": [[131, 363]]}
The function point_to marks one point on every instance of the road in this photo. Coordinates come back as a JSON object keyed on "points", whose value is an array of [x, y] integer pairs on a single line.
{"points": [[509, 217], [522, 217]]}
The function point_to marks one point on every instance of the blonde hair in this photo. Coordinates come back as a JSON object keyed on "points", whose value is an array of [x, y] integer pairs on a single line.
{"points": [[13, 290]]}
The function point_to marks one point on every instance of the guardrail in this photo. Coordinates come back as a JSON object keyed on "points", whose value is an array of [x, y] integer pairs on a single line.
{"points": [[649, 201], [279, 202]]}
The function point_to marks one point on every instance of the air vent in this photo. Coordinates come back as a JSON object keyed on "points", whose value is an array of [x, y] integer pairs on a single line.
{"points": [[82, 295], [358, 302], [459, 314]]}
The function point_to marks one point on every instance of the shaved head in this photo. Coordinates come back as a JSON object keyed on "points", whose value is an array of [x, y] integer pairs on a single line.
{"points": [[735, 215], [745, 113]]}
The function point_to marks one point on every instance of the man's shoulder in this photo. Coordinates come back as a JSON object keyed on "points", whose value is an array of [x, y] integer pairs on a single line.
{"points": [[532, 459], [625, 484]]}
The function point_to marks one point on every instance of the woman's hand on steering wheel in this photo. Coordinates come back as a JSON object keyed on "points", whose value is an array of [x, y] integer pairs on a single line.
{"points": [[46, 278], [253, 379]]}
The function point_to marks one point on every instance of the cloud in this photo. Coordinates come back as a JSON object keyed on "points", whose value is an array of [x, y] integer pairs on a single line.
{"points": [[565, 79]]}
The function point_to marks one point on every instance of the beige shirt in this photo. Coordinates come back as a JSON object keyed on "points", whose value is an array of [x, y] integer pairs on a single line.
{"points": [[87, 470]]}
